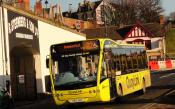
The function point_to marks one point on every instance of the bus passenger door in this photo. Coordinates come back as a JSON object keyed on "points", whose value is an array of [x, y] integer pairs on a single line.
{"points": [[110, 73]]}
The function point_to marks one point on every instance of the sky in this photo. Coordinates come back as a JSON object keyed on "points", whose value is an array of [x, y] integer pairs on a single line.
{"points": [[64, 3], [168, 5]]}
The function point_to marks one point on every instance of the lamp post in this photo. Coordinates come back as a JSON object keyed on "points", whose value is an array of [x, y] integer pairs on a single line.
{"points": [[164, 46], [70, 7], [45, 10], [46, 3]]}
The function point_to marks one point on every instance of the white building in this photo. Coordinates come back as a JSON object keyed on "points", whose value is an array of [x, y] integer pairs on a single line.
{"points": [[24, 41]]}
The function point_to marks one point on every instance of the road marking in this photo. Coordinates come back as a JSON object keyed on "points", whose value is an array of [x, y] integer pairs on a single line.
{"points": [[165, 76], [147, 106], [170, 92]]}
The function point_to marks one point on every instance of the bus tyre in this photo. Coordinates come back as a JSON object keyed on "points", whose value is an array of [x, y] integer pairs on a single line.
{"points": [[120, 93], [143, 86], [120, 90]]}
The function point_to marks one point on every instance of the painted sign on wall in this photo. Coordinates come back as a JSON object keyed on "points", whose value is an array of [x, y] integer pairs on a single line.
{"points": [[22, 30]]}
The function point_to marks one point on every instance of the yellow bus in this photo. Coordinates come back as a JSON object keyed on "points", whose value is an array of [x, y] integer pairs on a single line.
{"points": [[97, 70]]}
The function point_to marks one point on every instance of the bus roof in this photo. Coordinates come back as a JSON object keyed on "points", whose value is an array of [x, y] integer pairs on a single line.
{"points": [[102, 40], [122, 43]]}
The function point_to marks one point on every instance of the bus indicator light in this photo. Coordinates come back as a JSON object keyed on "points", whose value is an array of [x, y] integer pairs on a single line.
{"points": [[90, 45]]}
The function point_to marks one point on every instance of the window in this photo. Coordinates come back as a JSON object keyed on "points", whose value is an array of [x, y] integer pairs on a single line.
{"points": [[123, 58]]}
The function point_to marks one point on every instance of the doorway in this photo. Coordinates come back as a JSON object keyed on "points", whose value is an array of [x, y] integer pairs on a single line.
{"points": [[23, 75]]}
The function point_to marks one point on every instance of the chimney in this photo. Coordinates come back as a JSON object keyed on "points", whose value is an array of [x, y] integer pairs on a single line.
{"points": [[51, 12], [38, 8], [162, 19], [25, 4]]}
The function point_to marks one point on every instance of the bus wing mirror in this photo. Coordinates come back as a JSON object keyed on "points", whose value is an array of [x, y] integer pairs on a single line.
{"points": [[47, 61]]}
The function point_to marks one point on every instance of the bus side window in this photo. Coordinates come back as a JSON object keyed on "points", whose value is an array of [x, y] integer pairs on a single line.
{"points": [[144, 57], [103, 72], [118, 61], [135, 61], [129, 61], [109, 62], [123, 64]]}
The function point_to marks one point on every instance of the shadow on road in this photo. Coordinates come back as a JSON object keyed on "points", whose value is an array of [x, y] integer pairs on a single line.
{"points": [[136, 98], [172, 87]]}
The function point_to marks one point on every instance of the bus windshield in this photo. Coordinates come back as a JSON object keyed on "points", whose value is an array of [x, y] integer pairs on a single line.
{"points": [[74, 67]]}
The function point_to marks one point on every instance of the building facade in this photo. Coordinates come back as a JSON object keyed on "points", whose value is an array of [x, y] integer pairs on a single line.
{"points": [[150, 34], [96, 13], [25, 40]]}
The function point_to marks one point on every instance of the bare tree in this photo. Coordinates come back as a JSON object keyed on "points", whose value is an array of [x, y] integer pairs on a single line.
{"points": [[150, 10], [128, 11]]}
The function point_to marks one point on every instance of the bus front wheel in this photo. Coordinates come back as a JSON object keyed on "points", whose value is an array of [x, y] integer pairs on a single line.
{"points": [[120, 90], [120, 93], [143, 86]]}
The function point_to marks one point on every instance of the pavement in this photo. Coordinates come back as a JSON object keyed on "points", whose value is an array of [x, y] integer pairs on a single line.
{"points": [[23, 104]]}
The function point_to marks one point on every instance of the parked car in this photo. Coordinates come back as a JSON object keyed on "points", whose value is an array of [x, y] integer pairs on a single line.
{"points": [[5, 99]]}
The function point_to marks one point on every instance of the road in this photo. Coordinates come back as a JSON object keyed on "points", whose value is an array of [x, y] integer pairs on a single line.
{"points": [[159, 96]]}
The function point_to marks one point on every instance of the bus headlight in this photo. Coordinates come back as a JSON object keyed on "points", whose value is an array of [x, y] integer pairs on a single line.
{"points": [[90, 91], [59, 94]]}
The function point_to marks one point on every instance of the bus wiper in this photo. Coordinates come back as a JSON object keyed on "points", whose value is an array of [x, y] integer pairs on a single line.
{"points": [[70, 83]]}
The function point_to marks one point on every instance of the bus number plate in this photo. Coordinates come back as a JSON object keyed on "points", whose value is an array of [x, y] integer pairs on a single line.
{"points": [[76, 100]]}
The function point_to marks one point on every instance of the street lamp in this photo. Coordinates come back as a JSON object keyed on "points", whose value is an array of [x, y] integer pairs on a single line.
{"points": [[46, 3], [70, 7]]}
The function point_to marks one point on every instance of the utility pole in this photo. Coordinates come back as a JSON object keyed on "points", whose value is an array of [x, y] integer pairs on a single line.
{"points": [[46, 3], [105, 20], [106, 31], [164, 46]]}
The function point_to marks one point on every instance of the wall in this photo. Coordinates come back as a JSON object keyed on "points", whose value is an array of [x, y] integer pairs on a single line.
{"points": [[4, 63], [48, 35], [78, 24]]}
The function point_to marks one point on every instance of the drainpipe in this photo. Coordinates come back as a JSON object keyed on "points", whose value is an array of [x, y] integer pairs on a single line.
{"points": [[4, 48], [2, 54]]}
